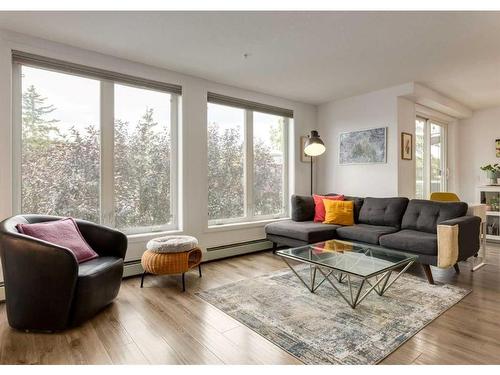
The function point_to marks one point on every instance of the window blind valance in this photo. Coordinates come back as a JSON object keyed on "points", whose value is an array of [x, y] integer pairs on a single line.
{"points": [[29, 59], [246, 104]]}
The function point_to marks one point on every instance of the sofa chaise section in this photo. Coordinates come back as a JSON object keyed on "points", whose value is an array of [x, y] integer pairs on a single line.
{"points": [[299, 233]]}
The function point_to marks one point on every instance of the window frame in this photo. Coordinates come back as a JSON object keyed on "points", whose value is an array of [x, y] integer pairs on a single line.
{"points": [[106, 128], [427, 183], [248, 176]]}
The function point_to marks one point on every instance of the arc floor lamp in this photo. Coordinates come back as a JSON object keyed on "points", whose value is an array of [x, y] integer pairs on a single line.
{"points": [[314, 146]]}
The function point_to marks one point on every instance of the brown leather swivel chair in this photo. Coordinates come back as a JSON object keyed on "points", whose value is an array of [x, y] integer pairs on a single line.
{"points": [[45, 287]]}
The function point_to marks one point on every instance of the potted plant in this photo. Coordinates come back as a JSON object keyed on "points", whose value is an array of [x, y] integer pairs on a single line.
{"points": [[492, 171]]}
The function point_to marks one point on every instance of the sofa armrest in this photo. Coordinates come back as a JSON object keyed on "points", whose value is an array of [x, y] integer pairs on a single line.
{"points": [[302, 207], [104, 240], [458, 239]]}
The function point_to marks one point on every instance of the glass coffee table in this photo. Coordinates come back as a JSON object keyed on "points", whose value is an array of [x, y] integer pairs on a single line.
{"points": [[343, 262]]}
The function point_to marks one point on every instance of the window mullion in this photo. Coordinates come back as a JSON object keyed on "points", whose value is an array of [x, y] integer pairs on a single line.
{"points": [[427, 159], [107, 153], [285, 132], [249, 167], [174, 161], [17, 96], [444, 157]]}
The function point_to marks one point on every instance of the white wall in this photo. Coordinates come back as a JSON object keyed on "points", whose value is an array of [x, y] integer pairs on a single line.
{"points": [[406, 168], [372, 110], [476, 147], [193, 128], [395, 108]]}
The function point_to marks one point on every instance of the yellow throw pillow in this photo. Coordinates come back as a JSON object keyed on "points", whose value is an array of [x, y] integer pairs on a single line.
{"points": [[339, 212]]}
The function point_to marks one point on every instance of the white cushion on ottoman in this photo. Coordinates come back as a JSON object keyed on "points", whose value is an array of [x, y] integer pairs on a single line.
{"points": [[172, 244]]}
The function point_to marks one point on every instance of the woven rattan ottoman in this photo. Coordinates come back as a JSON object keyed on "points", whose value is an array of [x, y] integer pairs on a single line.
{"points": [[171, 255]]}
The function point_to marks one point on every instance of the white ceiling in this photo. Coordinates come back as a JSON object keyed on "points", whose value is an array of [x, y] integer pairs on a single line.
{"points": [[311, 57]]}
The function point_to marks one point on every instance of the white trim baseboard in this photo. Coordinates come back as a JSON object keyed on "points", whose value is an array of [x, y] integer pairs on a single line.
{"points": [[237, 249]]}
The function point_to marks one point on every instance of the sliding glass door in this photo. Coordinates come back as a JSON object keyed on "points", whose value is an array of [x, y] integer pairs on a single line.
{"points": [[430, 157]]}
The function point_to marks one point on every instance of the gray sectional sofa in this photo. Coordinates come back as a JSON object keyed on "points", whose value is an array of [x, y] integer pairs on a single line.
{"points": [[440, 233]]}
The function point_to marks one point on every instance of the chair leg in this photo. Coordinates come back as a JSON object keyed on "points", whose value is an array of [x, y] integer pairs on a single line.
{"points": [[275, 246], [183, 283], [457, 268], [142, 279], [428, 273], [199, 269]]}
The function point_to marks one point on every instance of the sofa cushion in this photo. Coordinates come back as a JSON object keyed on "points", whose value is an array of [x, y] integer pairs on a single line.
{"points": [[424, 216], [364, 232], [319, 206], [383, 211], [97, 285], [412, 241], [358, 203], [302, 207], [308, 231], [339, 212]]}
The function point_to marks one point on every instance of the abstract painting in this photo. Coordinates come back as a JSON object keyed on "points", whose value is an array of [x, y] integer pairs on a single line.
{"points": [[497, 143], [363, 146]]}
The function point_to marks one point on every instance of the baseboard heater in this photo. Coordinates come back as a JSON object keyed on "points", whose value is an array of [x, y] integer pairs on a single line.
{"points": [[133, 267]]}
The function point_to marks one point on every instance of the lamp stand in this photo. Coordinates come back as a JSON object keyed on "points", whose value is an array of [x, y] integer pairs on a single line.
{"points": [[311, 175]]}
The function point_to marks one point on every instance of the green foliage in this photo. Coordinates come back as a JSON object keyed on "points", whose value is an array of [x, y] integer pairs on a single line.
{"points": [[142, 173], [60, 175], [35, 123], [226, 174], [61, 169], [491, 168], [268, 181]]}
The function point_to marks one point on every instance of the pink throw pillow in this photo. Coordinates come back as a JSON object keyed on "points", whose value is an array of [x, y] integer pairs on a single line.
{"points": [[319, 206], [64, 233]]}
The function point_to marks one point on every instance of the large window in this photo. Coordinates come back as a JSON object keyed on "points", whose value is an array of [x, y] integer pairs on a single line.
{"points": [[430, 157], [226, 162], [247, 164], [95, 149], [60, 145], [143, 183]]}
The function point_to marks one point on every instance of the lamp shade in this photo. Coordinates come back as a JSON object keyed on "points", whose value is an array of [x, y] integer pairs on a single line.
{"points": [[314, 146]]}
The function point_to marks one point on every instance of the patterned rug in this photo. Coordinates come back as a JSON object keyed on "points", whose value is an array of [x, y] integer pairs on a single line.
{"points": [[321, 328]]}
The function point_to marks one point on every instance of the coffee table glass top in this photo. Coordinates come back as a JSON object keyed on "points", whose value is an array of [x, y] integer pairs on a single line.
{"points": [[363, 260]]}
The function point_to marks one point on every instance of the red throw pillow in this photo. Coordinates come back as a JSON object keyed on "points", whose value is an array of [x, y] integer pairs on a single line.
{"points": [[64, 233], [319, 207]]}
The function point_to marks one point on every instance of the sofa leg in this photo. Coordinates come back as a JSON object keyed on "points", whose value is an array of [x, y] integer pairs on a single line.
{"points": [[275, 246], [457, 268], [428, 273], [142, 279]]}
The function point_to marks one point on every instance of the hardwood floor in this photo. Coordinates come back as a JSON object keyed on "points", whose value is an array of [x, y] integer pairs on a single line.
{"points": [[161, 325]]}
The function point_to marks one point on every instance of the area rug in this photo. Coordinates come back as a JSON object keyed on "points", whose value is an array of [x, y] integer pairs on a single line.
{"points": [[321, 328]]}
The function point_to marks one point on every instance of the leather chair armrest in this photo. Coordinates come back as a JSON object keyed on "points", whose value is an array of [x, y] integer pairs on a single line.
{"points": [[104, 240], [40, 280], [458, 239]]}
